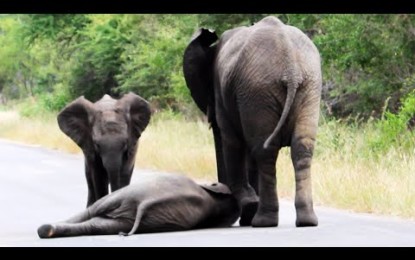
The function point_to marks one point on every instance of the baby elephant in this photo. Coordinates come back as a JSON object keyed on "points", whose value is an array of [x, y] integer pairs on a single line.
{"points": [[107, 131], [156, 202]]}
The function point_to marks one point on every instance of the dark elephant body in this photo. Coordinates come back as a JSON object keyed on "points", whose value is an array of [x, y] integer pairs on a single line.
{"points": [[107, 131], [156, 202], [260, 87]]}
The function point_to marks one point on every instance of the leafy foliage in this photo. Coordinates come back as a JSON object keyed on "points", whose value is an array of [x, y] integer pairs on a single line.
{"points": [[98, 59], [393, 128], [367, 58], [153, 59]]}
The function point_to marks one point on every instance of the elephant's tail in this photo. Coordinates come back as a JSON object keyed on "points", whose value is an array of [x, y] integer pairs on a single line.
{"points": [[141, 209], [291, 91]]}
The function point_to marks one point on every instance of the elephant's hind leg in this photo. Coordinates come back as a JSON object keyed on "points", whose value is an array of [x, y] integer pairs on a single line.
{"points": [[237, 174], [258, 122], [302, 147], [94, 226], [234, 155], [267, 213]]}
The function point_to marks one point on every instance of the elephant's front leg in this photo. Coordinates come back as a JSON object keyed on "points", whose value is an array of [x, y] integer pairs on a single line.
{"points": [[97, 179], [90, 183], [100, 180], [220, 164], [94, 226], [301, 153], [125, 178]]}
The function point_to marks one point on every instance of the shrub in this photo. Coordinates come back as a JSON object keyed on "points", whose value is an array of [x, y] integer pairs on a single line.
{"points": [[394, 128]]}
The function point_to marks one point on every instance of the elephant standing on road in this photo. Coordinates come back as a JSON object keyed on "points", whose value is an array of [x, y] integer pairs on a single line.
{"points": [[260, 88], [157, 202], [107, 131]]}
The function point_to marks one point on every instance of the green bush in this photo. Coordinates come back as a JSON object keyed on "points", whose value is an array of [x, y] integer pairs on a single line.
{"points": [[45, 103], [56, 100], [365, 58], [31, 108], [394, 129]]}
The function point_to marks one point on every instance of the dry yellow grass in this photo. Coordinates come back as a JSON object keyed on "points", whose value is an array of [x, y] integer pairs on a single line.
{"points": [[344, 174], [176, 145], [44, 131], [380, 187]]}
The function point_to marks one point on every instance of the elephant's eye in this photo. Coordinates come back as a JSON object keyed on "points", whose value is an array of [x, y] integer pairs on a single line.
{"points": [[97, 147]]}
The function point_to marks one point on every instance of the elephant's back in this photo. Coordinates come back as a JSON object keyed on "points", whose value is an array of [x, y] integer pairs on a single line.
{"points": [[145, 186], [153, 185], [263, 55], [306, 51], [261, 50]]}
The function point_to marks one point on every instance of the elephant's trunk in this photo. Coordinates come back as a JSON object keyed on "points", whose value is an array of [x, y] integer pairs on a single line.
{"points": [[114, 180], [112, 163]]}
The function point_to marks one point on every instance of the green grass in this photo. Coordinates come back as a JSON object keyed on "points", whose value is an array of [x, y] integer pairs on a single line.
{"points": [[346, 171]]}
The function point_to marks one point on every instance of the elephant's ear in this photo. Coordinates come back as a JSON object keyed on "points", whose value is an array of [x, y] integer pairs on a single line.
{"points": [[198, 67], [75, 121], [138, 113], [217, 188]]}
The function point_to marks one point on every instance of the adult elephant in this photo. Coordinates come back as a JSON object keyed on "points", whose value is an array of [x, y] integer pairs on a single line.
{"points": [[260, 88], [149, 205], [107, 131]]}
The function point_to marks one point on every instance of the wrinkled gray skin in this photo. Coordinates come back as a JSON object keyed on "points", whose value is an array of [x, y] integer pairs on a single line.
{"points": [[107, 131], [157, 202], [260, 88]]}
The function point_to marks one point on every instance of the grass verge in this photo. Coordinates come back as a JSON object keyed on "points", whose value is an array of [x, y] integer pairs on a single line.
{"points": [[345, 171]]}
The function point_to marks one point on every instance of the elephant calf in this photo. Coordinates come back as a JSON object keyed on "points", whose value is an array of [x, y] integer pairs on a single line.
{"points": [[107, 131], [156, 202]]}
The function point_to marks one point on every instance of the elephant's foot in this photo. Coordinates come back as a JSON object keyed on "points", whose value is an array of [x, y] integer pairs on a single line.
{"points": [[265, 218], [306, 218], [249, 208], [248, 202], [46, 231]]}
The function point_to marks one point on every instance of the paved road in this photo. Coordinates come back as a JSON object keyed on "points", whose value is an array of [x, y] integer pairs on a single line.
{"points": [[40, 186]]}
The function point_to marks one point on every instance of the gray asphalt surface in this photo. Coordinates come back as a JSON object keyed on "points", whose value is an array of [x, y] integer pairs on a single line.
{"points": [[40, 186]]}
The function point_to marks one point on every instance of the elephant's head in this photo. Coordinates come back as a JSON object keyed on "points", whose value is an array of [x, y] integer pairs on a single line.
{"points": [[226, 209], [198, 69], [107, 132]]}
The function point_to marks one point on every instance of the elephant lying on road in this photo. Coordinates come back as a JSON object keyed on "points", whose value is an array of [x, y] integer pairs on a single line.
{"points": [[107, 131], [156, 202], [260, 88]]}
